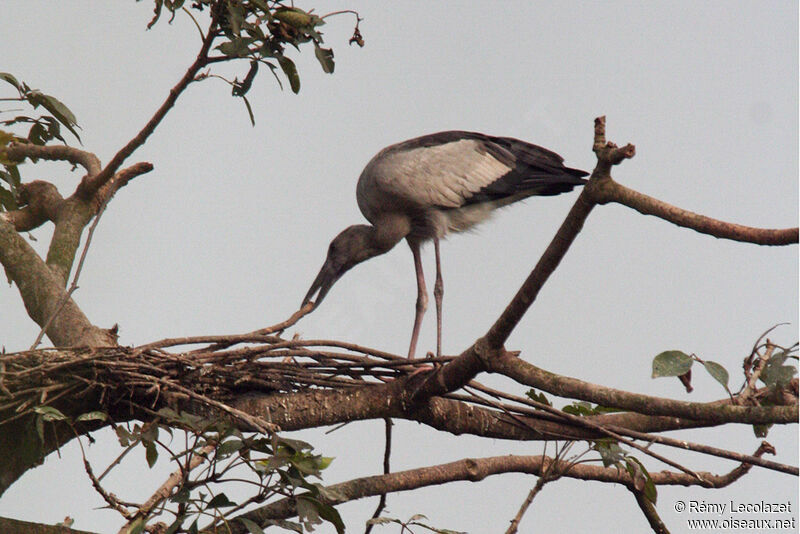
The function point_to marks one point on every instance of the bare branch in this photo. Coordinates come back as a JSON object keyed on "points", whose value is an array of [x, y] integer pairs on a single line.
{"points": [[386, 470], [41, 201], [608, 155], [649, 511], [118, 181], [110, 498], [474, 470], [611, 191], [93, 182], [87, 160]]}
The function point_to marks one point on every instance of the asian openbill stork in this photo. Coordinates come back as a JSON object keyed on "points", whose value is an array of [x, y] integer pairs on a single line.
{"points": [[425, 187]]}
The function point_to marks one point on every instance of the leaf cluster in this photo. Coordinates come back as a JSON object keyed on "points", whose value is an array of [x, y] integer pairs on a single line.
{"points": [[44, 127], [259, 31], [775, 374], [273, 465]]}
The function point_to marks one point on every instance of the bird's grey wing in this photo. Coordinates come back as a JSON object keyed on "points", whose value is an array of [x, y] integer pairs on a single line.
{"points": [[444, 175]]}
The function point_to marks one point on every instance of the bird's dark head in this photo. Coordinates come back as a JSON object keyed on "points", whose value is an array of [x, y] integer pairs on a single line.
{"points": [[347, 249]]}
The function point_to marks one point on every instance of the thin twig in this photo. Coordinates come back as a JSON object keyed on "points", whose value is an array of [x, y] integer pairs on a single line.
{"points": [[386, 470]]}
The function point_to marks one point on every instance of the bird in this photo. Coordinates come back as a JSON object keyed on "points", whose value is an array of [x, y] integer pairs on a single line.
{"points": [[425, 188]]}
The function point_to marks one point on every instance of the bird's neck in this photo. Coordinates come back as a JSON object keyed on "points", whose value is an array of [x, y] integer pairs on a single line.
{"points": [[387, 231]]}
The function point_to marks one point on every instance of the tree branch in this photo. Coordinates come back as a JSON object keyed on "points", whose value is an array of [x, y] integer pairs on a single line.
{"points": [[165, 490], [650, 513], [716, 413], [15, 526], [611, 191], [41, 291], [87, 160], [607, 155], [92, 183], [474, 470]]}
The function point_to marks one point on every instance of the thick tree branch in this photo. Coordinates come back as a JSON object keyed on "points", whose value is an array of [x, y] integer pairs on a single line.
{"points": [[73, 216], [15, 526], [528, 374], [41, 290], [474, 470], [118, 181], [87, 160], [611, 191], [607, 155], [41, 202]]}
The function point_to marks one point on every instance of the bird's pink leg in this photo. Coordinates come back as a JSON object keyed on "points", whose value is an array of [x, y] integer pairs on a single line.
{"points": [[438, 292], [422, 297]]}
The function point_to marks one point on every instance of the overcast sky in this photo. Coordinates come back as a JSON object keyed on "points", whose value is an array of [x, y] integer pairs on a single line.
{"points": [[229, 230]]}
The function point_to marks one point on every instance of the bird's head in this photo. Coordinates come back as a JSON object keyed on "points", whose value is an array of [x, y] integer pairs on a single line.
{"points": [[349, 248]]}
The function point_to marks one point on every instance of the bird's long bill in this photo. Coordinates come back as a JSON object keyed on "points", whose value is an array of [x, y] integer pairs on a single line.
{"points": [[323, 282]]}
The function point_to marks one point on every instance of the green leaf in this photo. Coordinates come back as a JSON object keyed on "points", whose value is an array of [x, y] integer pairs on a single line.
{"points": [[151, 453], [294, 17], [235, 17], [92, 416], [229, 447], [137, 527], [331, 515], [236, 47], [325, 58], [329, 494], [761, 431], [252, 526], [49, 413], [775, 373], [610, 452], [10, 79], [220, 500], [718, 372], [249, 110], [649, 488], [174, 526], [538, 397], [7, 200], [11, 176], [325, 461], [181, 496], [290, 69], [307, 511], [671, 363], [241, 88], [579, 408], [295, 445], [40, 428], [57, 108]]}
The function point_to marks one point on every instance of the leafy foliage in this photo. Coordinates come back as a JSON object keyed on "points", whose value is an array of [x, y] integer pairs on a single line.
{"points": [[43, 129], [259, 31], [275, 466]]}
